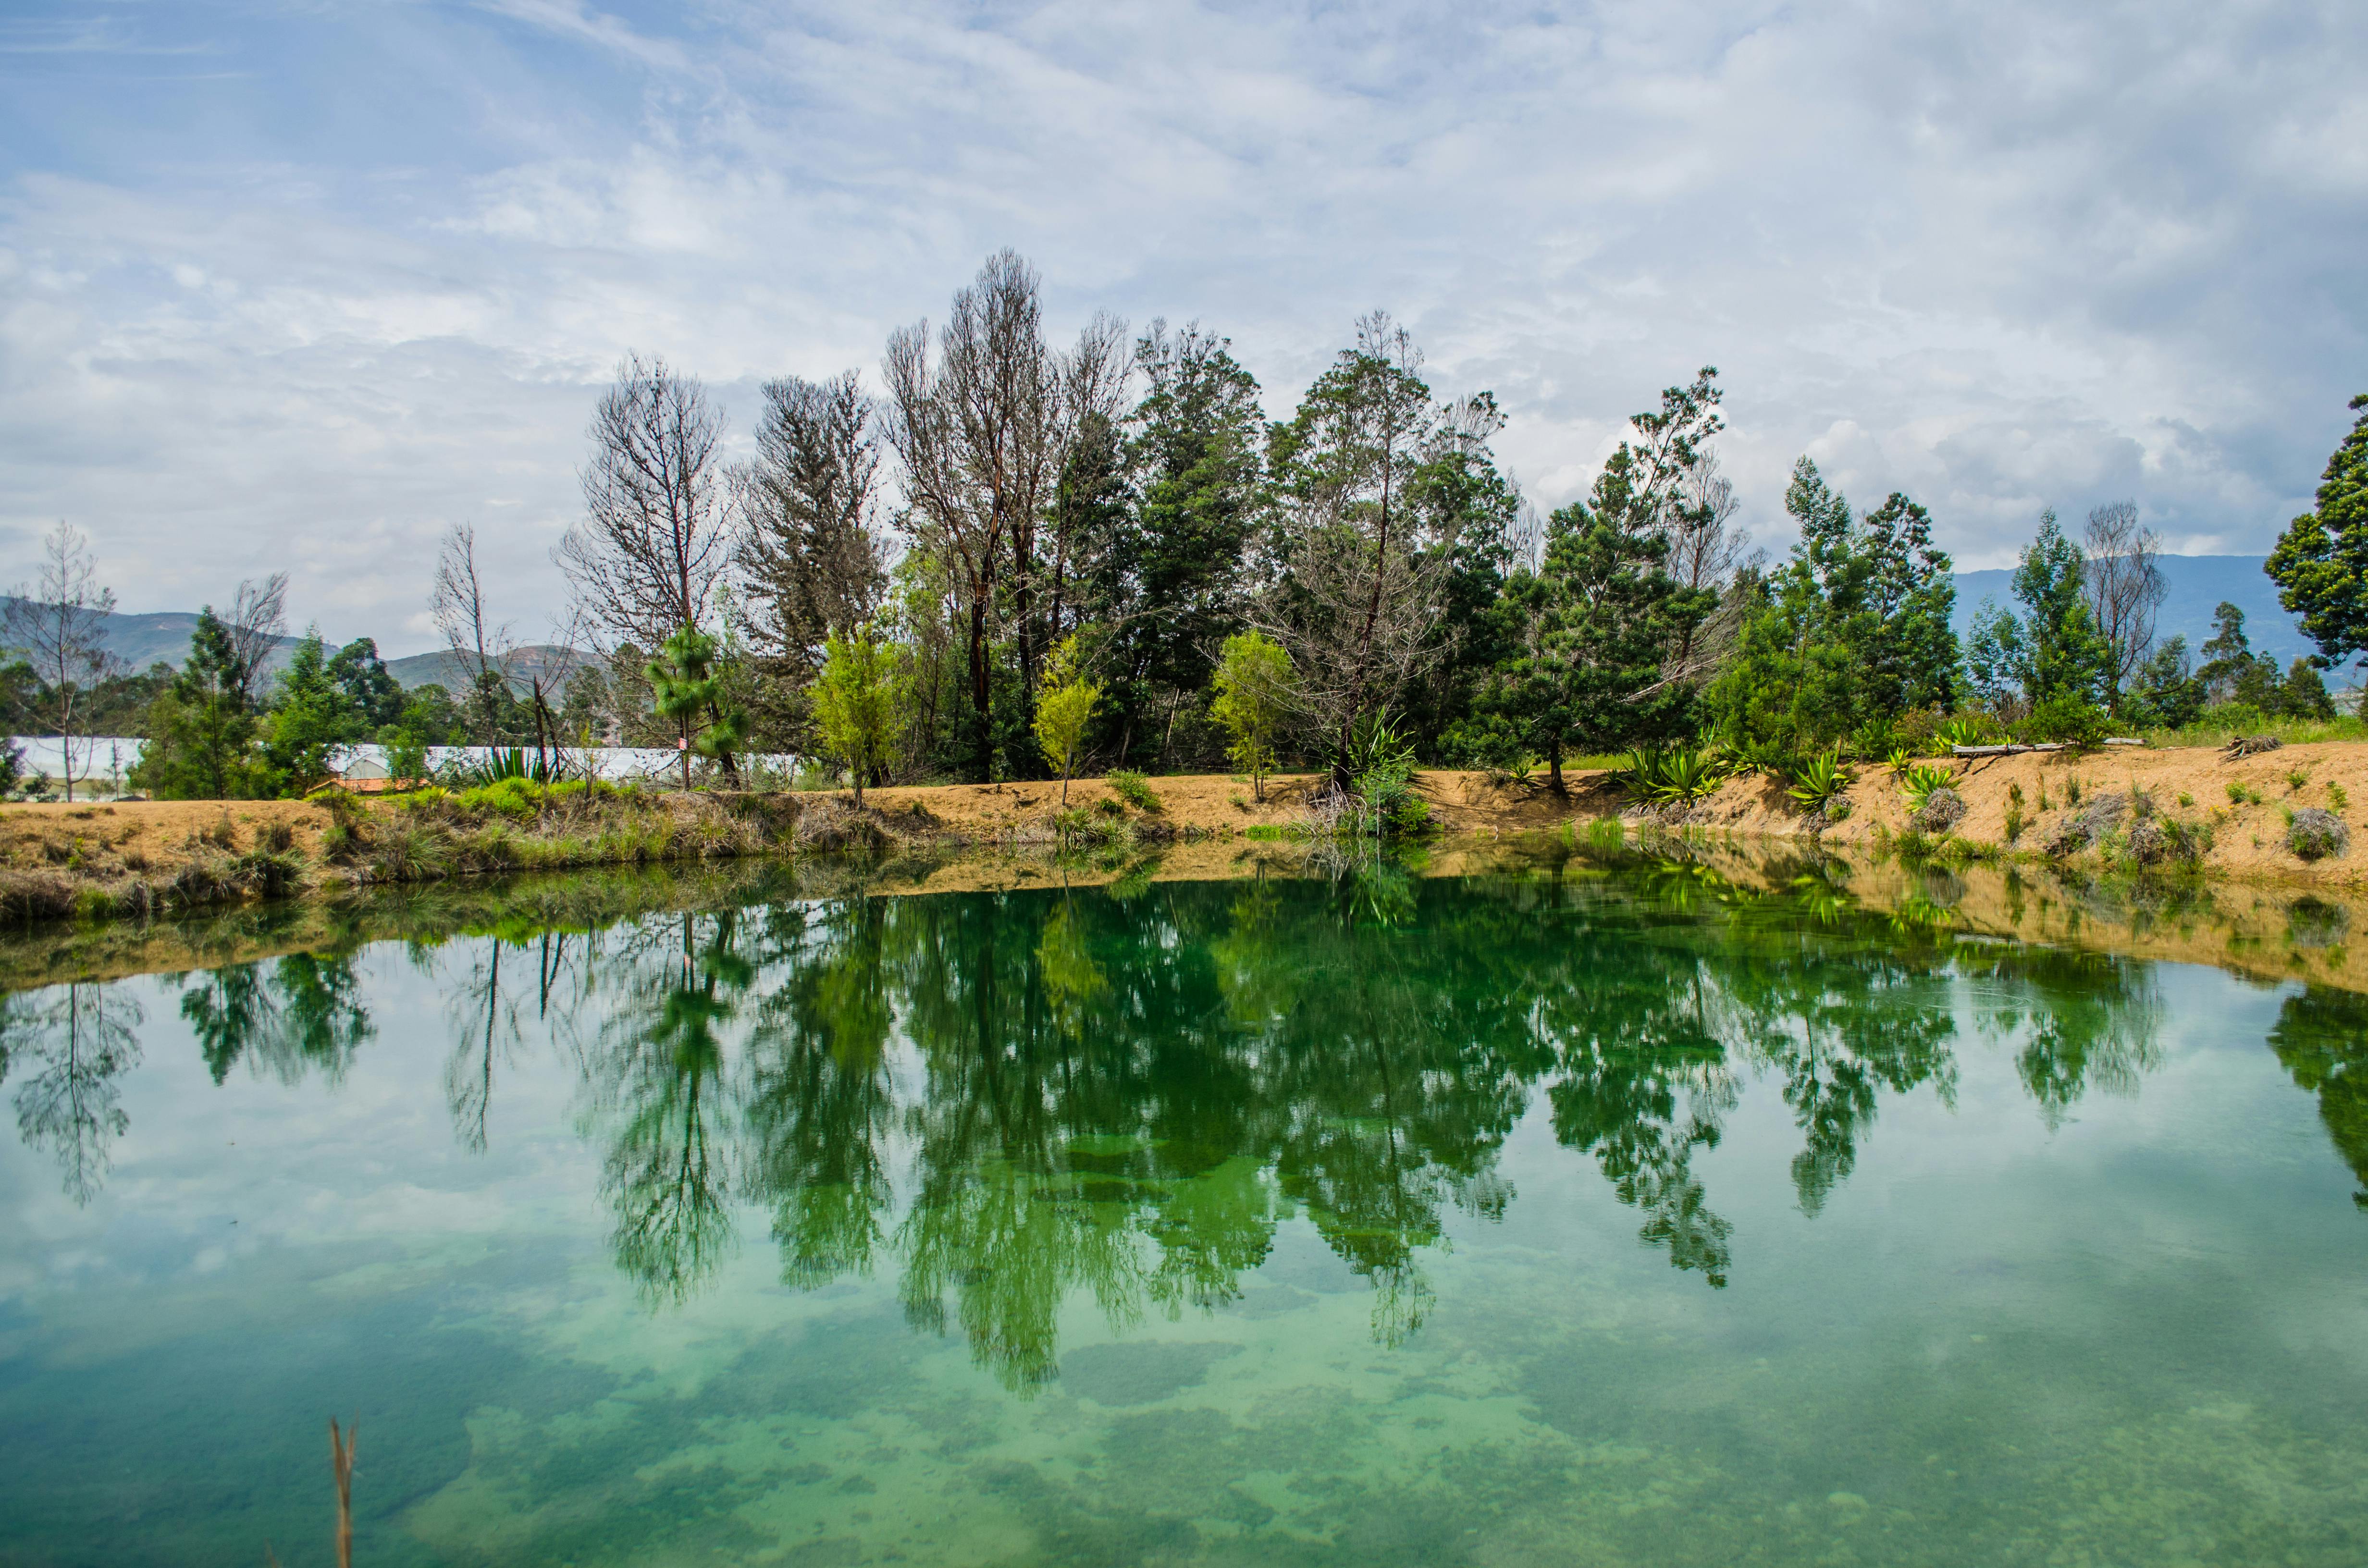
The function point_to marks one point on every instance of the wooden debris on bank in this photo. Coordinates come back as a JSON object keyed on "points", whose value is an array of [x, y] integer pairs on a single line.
{"points": [[2251, 746], [2016, 748]]}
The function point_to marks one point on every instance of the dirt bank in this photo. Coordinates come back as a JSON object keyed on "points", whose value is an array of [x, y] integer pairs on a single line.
{"points": [[99, 858], [2189, 785]]}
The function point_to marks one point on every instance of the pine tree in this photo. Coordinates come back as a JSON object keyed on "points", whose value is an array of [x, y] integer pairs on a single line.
{"points": [[687, 689], [201, 730], [1851, 632], [2321, 564]]}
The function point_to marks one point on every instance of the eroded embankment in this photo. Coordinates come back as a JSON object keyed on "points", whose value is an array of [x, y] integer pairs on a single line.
{"points": [[164, 861], [2245, 826]]}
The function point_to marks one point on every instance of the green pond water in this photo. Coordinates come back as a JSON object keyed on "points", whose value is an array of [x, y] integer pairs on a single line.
{"points": [[1593, 1214]]}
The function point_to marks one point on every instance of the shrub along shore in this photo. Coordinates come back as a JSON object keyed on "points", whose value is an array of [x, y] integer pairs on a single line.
{"points": [[2282, 813]]}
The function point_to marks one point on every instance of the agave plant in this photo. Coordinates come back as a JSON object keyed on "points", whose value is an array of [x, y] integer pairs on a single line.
{"points": [[1920, 781], [1679, 775], [1639, 771], [1688, 774], [1901, 761], [1967, 730], [1819, 779]]}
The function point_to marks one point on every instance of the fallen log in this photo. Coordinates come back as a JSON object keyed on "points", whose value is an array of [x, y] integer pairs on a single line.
{"points": [[2016, 750]]}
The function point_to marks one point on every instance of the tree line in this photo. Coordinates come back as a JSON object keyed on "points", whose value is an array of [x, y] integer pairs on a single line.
{"points": [[1023, 559]]}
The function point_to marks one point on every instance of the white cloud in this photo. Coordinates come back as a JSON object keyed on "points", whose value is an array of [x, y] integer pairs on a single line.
{"points": [[2001, 257]]}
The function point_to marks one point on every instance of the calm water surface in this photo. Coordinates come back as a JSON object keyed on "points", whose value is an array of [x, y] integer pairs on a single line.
{"points": [[1605, 1214]]}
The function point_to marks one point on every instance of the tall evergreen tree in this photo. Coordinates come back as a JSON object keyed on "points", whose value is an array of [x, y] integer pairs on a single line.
{"points": [[1194, 444], [311, 715], [1853, 631], [1614, 613], [2052, 662], [2321, 564], [201, 730]]}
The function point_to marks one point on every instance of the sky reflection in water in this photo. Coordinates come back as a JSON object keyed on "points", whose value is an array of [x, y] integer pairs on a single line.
{"points": [[1604, 1214]]}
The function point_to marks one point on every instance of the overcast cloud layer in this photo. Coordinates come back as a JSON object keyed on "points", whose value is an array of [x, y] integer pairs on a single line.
{"points": [[297, 285]]}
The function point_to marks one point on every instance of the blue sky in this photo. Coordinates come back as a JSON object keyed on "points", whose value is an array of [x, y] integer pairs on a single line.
{"points": [[298, 285]]}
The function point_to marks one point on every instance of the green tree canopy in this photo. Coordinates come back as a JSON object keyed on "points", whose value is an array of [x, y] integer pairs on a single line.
{"points": [[2320, 565], [201, 733], [855, 702], [1853, 631], [2051, 662]]}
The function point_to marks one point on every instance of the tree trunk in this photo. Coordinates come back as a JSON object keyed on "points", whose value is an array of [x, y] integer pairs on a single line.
{"points": [[981, 698]]}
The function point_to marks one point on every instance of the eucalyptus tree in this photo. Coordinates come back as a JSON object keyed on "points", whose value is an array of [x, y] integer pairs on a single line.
{"points": [[257, 623], [477, 645]]}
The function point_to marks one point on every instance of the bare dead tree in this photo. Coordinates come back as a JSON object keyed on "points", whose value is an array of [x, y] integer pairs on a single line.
{"points": [[811, 550], [1706, 551], [481, 647], [257, 620], [59, 623], [1356, 616], [979, 431], [2124, 584], [656, 536], [547, 676]]}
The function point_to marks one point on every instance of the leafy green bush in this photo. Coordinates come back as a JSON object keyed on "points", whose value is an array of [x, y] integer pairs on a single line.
{"points": [[1131, 788], [2072, 719]]}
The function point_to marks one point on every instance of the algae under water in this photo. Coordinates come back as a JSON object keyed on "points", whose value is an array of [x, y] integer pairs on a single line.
{"points": [[1590, 1213]]}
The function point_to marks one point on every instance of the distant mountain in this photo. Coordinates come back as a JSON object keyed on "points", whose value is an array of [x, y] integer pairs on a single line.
{"points": [[140, 640], [2198, 584], [441, 668]]}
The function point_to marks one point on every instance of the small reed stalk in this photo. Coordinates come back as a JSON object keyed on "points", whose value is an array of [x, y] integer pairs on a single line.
{"points": [[341, 1464]]}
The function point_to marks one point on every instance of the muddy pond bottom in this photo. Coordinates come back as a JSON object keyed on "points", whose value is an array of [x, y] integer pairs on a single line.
{"points": [[1601, 1214]]}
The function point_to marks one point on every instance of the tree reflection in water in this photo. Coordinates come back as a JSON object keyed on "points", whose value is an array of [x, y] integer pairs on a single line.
{"points": [[2321, 1039], [1011, 1099], [67, 1054]]}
